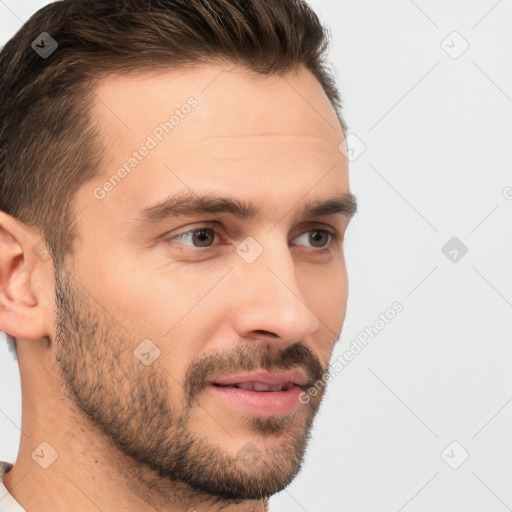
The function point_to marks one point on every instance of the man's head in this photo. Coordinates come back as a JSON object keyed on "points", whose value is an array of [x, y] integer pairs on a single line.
{"points": [[179, 160]]}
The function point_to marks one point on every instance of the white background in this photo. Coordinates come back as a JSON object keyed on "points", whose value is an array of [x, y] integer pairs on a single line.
{"points": [[431, 149]]}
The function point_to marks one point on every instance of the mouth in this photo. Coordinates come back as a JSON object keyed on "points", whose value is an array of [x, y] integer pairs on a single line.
{"points": [[258, 386], [264, 394]]}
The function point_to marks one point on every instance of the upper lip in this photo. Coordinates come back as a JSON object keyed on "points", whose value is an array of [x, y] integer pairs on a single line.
{"points": [[296, 375]]}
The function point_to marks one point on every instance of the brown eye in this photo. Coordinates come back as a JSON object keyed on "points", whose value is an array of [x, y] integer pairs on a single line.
{"points": [[319, 237], [202, 237]]}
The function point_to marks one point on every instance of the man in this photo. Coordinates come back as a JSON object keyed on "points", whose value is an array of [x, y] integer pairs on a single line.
{"points": [[173, 199]]}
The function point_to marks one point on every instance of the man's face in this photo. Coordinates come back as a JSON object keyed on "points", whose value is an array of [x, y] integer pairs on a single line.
{"points": [[167, 319]]}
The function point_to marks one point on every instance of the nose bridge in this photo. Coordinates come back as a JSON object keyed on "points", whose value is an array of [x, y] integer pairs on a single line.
{"points": [[271, 299]]}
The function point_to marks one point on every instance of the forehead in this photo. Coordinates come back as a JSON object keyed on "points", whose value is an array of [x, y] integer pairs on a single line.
{"points": [[213, 128], [231, 100]]}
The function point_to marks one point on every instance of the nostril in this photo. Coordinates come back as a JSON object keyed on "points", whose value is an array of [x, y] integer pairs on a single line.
{"points": [[266, 333]]}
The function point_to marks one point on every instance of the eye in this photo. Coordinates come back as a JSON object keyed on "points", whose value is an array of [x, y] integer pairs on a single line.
{"points": [[318, 238], [204, 237], [200, 237]]}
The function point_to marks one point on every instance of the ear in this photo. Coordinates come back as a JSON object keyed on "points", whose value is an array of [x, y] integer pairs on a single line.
{"points": [[24, 276]]}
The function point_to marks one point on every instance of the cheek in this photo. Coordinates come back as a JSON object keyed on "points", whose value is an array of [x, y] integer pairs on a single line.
{"points": [[325, 288], [148, 299], [325, 291]]}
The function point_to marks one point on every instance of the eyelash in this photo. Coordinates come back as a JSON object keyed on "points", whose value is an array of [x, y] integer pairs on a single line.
{"points": [[333, 238]]}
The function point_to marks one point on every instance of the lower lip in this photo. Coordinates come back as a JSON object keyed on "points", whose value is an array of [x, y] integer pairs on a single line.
{"points": [[264, 404]]}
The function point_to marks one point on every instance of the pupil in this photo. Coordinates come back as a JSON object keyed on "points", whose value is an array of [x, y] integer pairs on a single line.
{"points": [[202, 236], [316, 236]]}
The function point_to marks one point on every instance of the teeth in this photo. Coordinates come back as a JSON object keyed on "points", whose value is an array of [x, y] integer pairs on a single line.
{"points": [[244, 385], [258, 386]]}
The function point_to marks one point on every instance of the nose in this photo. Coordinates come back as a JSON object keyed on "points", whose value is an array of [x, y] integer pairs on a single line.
{"points": [[269, 302]]}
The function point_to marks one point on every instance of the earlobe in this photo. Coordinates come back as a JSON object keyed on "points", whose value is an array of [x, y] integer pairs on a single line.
{"points": [[21, 314]]}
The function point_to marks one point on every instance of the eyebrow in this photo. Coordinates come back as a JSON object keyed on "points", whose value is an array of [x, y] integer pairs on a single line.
{"points": [[193, 204]]}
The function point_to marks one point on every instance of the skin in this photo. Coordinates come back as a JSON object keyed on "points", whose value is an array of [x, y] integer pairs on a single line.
{"points": [[131, 436]]}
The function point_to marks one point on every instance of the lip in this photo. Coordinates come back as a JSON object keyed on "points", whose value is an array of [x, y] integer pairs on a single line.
{"points": [[296, 375], [264, 404]]}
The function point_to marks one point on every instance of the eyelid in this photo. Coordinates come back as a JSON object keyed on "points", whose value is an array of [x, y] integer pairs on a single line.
{"points": [[202, 225]]}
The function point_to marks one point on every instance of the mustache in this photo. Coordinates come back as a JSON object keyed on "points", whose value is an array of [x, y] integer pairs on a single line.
{"points": [[247, 358]]}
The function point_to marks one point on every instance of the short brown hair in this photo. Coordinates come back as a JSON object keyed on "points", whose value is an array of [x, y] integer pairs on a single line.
{"points": [[48, 146]]}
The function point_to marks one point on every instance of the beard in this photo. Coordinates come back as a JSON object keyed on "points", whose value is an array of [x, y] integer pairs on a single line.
{"points": [[148, 415]]}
